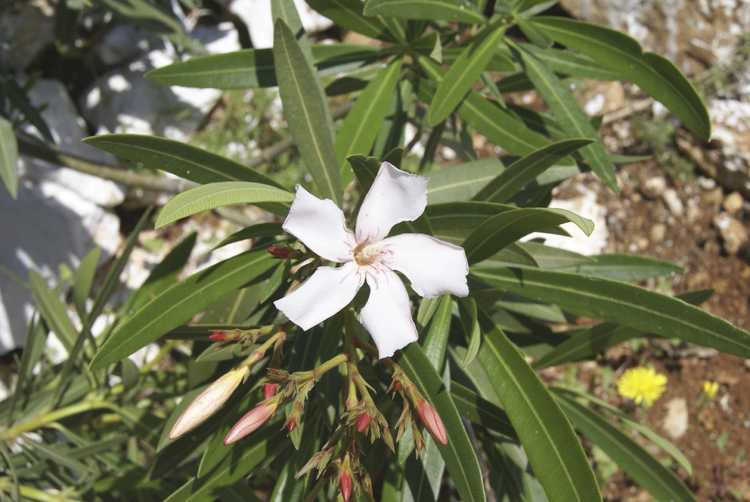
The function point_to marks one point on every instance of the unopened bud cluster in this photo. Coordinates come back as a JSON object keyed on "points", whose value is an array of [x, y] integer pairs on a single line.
{"points": [[287, 393]]}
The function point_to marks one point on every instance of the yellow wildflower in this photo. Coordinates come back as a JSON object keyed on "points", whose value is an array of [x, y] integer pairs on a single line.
{"points": [[642, 385], [710, 388]]}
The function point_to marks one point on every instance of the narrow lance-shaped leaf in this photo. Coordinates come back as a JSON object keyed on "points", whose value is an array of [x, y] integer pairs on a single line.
{"points": [[461, 182], [213, 195], [497, 232], [360, 128], [570, 116], [623, 55], [251, 68], [459, 455], [436, 10], [84, 279], [53, 310], [348, 14], [8, 157], [435, 343], [180, 159], [637, 463], [499, 125], [523, 171], [306, 112], [462, 74], [621, 303], [586, 343], [179, 303], [554, 451], [287, 12]]}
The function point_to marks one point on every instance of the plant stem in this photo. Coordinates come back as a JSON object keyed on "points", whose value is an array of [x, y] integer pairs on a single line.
{"points": [[53, 416]]}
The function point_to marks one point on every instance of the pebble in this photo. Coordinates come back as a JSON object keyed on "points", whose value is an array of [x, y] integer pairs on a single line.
{"points": [[658, 232], [654, 187], [675, 422], [733, 202], [673, 202], [733, 232], [714, 197], [706, 183]]}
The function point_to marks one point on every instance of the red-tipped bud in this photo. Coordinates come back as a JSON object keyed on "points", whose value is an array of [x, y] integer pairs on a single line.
{"points": [[291, 424], [432, 422], [345, 485], [270, 389], [280, 252], [397, 386], [250, 421], [217, 336], [363, 421]]}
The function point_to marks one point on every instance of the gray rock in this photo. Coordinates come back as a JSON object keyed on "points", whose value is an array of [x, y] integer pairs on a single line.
{"points": [[25, 29]]}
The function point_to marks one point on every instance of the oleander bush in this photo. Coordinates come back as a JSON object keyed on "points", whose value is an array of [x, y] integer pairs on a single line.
{"points": [[398, 360]]}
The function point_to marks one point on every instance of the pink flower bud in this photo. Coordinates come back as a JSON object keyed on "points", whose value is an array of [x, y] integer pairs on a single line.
{"points": [[270, 389], [362, 422], [208, 402], [217, 336], [345, 484], [250, 421], [432, 422]]}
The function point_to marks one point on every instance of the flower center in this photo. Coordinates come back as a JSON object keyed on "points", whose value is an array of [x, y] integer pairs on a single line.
{"points": [[366, 254]]}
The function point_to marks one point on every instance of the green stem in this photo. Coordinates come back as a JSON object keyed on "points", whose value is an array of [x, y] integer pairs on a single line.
{"points": [[53, 416]]}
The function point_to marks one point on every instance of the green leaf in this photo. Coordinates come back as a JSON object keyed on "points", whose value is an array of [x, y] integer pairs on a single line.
{"points": [[587, 343], [455, 221], [498, 124], [637, 463], [179, 303], [435, 343], [177, 158], [569, 115], [252, 232], [552, 257], [480, 411], [459, 455], [348, 14], [462, 74], [213, 195], [163, 275], [621, 303], [53, 310], [436, 10], [472, 330], [567, 62], [251, 68], [525, 170], [360, 128], [263, 445], [621, 267], [36, 338], [306, 112], [287, 12], [553, 449], [497, 232], [8, 157], [623, 55], [84, 279], [461, 182]]}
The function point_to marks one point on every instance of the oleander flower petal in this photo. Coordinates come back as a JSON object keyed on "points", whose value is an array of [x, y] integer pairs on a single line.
{"points": [[321, 296], [434, 267], [387, 313], [394, 196], [320, 225]]}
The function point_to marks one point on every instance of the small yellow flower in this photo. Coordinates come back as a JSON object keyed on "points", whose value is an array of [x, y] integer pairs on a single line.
{"points": [[642, 385], [710, 389]]}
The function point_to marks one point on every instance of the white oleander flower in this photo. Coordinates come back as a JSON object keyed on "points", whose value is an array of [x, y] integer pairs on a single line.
{"points": [[433, 267]]}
